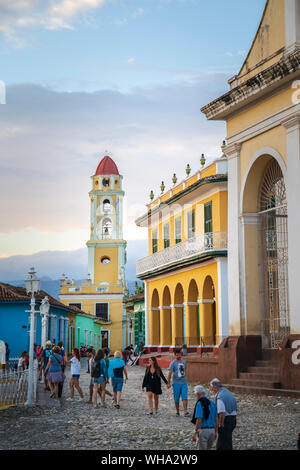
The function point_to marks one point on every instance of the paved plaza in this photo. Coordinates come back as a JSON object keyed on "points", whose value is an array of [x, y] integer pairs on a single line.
{"points": [[263, 422]]}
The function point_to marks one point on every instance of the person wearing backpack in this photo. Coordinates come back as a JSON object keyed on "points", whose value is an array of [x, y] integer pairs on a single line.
{"points": [[205, 419], [47, 352], [99, 376], [55, 375]]}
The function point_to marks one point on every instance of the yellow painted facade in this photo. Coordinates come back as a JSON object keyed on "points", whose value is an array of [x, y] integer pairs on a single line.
{"points": [[186, 274], [262, 118], [102, 295]]}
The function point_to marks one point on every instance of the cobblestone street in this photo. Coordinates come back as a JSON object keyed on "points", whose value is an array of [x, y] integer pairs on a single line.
{"points": [[263, 422]]}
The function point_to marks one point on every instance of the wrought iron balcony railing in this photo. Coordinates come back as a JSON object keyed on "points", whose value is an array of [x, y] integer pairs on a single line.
{"points": [[205, 243]]}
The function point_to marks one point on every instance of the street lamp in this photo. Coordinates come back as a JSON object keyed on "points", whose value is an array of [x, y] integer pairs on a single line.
{"points": [[44, 311], [32, 286]]}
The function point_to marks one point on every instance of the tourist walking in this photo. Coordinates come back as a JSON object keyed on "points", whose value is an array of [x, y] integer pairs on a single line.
{"points": [[60, 344], [227, 411], [47, 352], [126, 353], [94, 354], [177, 368], [184, 350], [91, 354], [117, 370], [152, 382], [99, 376], [205, 419], [21, 363], [55, 374], [7, 352], [107, 361], [75, 374]]}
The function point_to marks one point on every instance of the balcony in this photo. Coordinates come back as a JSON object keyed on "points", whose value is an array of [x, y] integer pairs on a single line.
{"points": [[189, 250]]}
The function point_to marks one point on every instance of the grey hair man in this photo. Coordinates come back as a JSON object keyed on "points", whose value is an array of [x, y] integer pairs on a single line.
{"points": [[227, 411], [205, 419]]}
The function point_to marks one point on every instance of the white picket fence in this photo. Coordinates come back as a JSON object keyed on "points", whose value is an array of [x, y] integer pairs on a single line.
{"points": [[14, 386]]}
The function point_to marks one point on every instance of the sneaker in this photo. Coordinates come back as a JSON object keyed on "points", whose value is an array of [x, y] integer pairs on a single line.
{"points": [[187, 414], [80, 399], [177, 414], [117, 406], [102, 404], [149, 413], [96, 406], [157, 412], [69, 399]]}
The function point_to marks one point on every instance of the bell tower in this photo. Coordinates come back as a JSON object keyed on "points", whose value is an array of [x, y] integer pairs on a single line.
{"points": [[101, 296], [106, 247]]}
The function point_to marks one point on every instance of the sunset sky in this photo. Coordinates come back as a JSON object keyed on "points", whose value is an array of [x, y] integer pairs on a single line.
{"points": [[125, 76]]}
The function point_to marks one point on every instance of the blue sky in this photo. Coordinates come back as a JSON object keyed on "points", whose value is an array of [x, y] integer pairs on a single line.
{"points": [[127, 43], [129, 76]]}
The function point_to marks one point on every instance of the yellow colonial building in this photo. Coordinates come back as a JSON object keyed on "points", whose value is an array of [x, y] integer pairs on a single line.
{"points": [[185, 272], [102, 295], [262, 114]]}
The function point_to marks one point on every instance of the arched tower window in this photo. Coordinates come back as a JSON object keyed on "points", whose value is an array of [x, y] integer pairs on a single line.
{"points": [[106, 205], [106, 228]]}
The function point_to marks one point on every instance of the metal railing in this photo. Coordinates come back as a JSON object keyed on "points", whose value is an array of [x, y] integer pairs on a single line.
{"points": [[212, 241], [14, 386]]}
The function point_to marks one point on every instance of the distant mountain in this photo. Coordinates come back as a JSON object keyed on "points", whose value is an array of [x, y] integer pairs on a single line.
{"points": [[50, 265]]}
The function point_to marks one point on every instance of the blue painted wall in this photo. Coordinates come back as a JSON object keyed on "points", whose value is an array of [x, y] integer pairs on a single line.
{"points": [[12, 319]]}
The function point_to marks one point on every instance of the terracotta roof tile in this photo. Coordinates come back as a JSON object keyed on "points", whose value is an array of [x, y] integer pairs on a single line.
{"points": [[9, 293]]}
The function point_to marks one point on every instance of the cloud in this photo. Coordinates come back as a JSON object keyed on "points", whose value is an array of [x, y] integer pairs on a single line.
{"points": [[131, 60], [51, 143], [18, 15]]}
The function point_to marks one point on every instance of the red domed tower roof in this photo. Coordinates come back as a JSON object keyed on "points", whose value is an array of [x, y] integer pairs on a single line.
{"points": [[107, 167]]}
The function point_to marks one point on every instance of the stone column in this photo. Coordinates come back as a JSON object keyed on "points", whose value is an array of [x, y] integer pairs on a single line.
{"points": [[292, 126], [206, 321], [165, 326], [222, 295], [191, 323], [66, 335], [234, 299], [44, 338], [174, 328], [292, 25], [146, 314]]}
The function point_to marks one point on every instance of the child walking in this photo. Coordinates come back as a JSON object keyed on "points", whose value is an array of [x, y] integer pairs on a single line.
{"points": [[75, 374]]}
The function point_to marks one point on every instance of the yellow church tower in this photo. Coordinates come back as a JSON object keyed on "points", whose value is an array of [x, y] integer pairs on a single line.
{"points": [[102, 295]]}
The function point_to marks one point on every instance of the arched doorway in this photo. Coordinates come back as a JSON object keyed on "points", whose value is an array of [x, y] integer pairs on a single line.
{"points": [[274, 254], [178, 319], [208, 321], [192, 315]]}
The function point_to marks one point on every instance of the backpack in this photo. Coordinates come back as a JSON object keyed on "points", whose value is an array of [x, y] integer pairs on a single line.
{"points": [[96, 369]]}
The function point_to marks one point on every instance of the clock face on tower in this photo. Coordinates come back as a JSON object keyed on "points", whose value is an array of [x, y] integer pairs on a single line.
{"points": [[105, 260], [105, 181]]}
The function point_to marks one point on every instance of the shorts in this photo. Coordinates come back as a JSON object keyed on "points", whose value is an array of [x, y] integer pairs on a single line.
{"points": [[117, 384], [98, 380], [75, 376], [55, 377], [180, 389]]}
